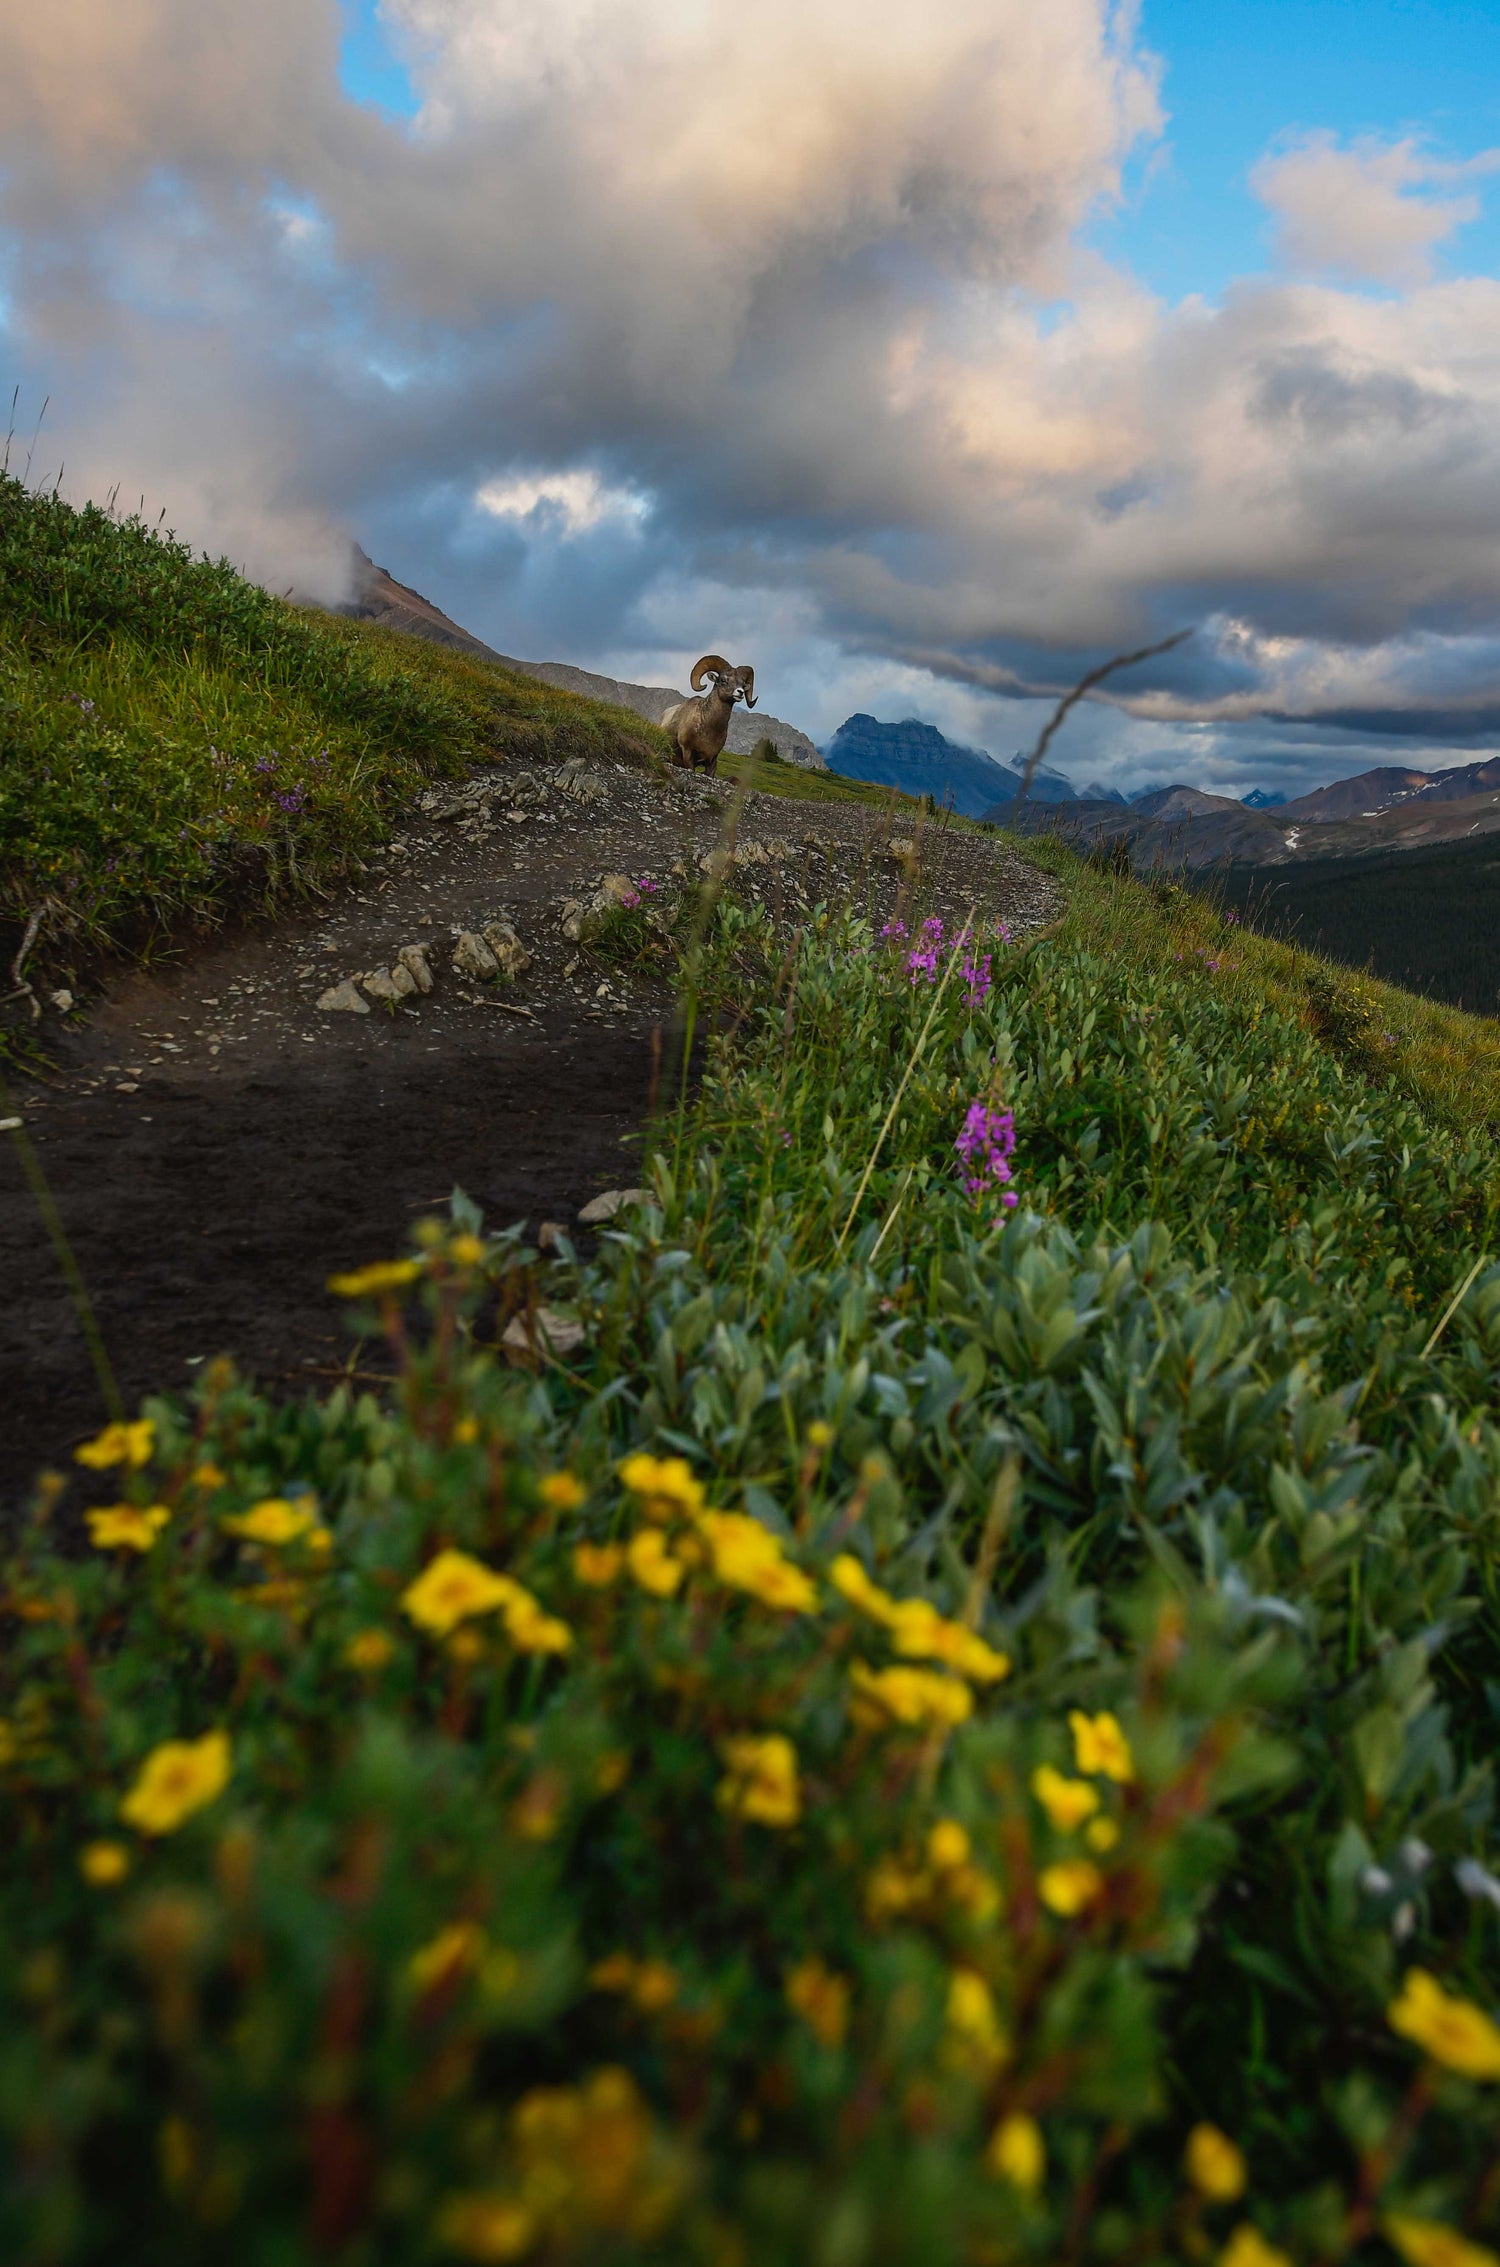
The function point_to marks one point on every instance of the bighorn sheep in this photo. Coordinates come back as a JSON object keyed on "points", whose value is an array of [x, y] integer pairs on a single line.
{"points": [[699, 728]]}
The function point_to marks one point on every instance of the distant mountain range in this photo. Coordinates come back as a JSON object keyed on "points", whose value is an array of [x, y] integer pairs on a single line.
{"points": [[1395, 807]]}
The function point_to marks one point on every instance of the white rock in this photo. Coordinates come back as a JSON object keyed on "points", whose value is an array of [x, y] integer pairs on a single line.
{"points": [[546, 1332], [414, 958], [511, 956], [548, 1237], [607, 1204], [571, 919], [901, 847], [403, 983], [377, 983], [62, 1000], [472, 956], [342, 999]]}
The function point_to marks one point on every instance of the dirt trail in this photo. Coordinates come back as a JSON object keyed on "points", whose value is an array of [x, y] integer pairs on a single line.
{"points": [[217, 1143]]}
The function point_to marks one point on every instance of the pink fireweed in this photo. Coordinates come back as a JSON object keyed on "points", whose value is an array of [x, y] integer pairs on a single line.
{"points": [[986, 1143], [922, 960], [977, 981]]}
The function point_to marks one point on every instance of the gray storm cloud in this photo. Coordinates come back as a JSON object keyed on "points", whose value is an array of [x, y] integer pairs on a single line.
{"points": [[668, 320]]}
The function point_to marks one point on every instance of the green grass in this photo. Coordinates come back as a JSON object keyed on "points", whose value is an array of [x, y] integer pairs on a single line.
{"points": [[489, 1948], [173, 741]]}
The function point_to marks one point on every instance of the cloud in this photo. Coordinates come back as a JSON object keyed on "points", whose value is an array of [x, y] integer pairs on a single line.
{"points": [[669, 325], [1375, 213]]}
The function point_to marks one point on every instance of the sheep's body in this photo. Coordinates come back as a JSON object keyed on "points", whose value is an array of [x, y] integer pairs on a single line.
{"points": [[699, 727]]}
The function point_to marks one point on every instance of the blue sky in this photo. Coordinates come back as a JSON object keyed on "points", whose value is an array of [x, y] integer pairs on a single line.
{"points": [[1239, 74], [616, 390]]}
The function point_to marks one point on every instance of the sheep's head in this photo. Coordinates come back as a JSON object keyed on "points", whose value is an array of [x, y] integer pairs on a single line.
{"points": [[738, 684]]}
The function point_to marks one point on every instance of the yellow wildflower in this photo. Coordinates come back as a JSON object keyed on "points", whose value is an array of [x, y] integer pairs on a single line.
{"points": [[974, 2033], [451, 1588], [372, 1282], [125, 1527], [1100, 1747], [615, 1972], [597, 1564], [1247, 2247], [762, 1782], [1454, 2031], [611, 1771], [1067, 1802], [370, 1650], [948, 1845], [1101, 1834], [559, 1491], [819, 1434], [655, 1986], [466, 1432], [1017, 2153], [893, 1888], [530, 1630], [275, 1521], [118, 1444], [465, 1644], [908, 1696], [466, 1251], [749, 1557], [652, 1563], [104, 1863], [1214, 2165], [1066, 1888], [851, 1581], [176, 1779], [923, 1634], [486, 2228], [1427, 2243], [536, 1810], [974, 1892], [454, 1951], [207, 1476], [821, 1998], [665, 1485]]}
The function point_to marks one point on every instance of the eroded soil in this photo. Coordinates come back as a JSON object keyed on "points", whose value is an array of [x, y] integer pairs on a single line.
{"points": [[216, 1144]]}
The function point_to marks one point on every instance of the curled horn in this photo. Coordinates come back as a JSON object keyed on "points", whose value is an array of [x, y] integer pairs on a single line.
{"points": [[712, 665], [747, 679]]}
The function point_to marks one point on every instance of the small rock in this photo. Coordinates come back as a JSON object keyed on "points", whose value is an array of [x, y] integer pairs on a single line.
{"points": [[901, 847], [753, 854], [716, 863], [616, 889], [548, 1237], [511, 956], [377, 983], [61, 999], [607, 1204], [127, 1086], [414, 958], [343, 999], [571, 921], [403, 983], [472, 956], [545, 1332]]}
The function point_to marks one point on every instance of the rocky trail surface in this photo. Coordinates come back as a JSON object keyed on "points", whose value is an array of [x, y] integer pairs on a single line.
{"points": [[221, 1131]]}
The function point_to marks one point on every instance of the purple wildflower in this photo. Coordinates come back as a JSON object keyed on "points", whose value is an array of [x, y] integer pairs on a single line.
{"points": [[1002, 931], [977, 978], [646, 887], [986, 1143], [291, 800], [894, 932]]}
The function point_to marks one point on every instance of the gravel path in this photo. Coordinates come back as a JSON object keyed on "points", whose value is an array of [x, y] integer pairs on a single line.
{"points": [[217, 1142]]}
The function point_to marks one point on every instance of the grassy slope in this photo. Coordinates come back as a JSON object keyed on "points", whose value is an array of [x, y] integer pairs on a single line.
{"points": [[173, 740]]}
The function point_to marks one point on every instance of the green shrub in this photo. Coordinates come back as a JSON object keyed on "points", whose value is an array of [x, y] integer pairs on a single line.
{"points": [[953, 1731]]}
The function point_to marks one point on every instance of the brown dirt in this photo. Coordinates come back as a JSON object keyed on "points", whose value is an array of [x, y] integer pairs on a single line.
{"points": [[216, 1144]]}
